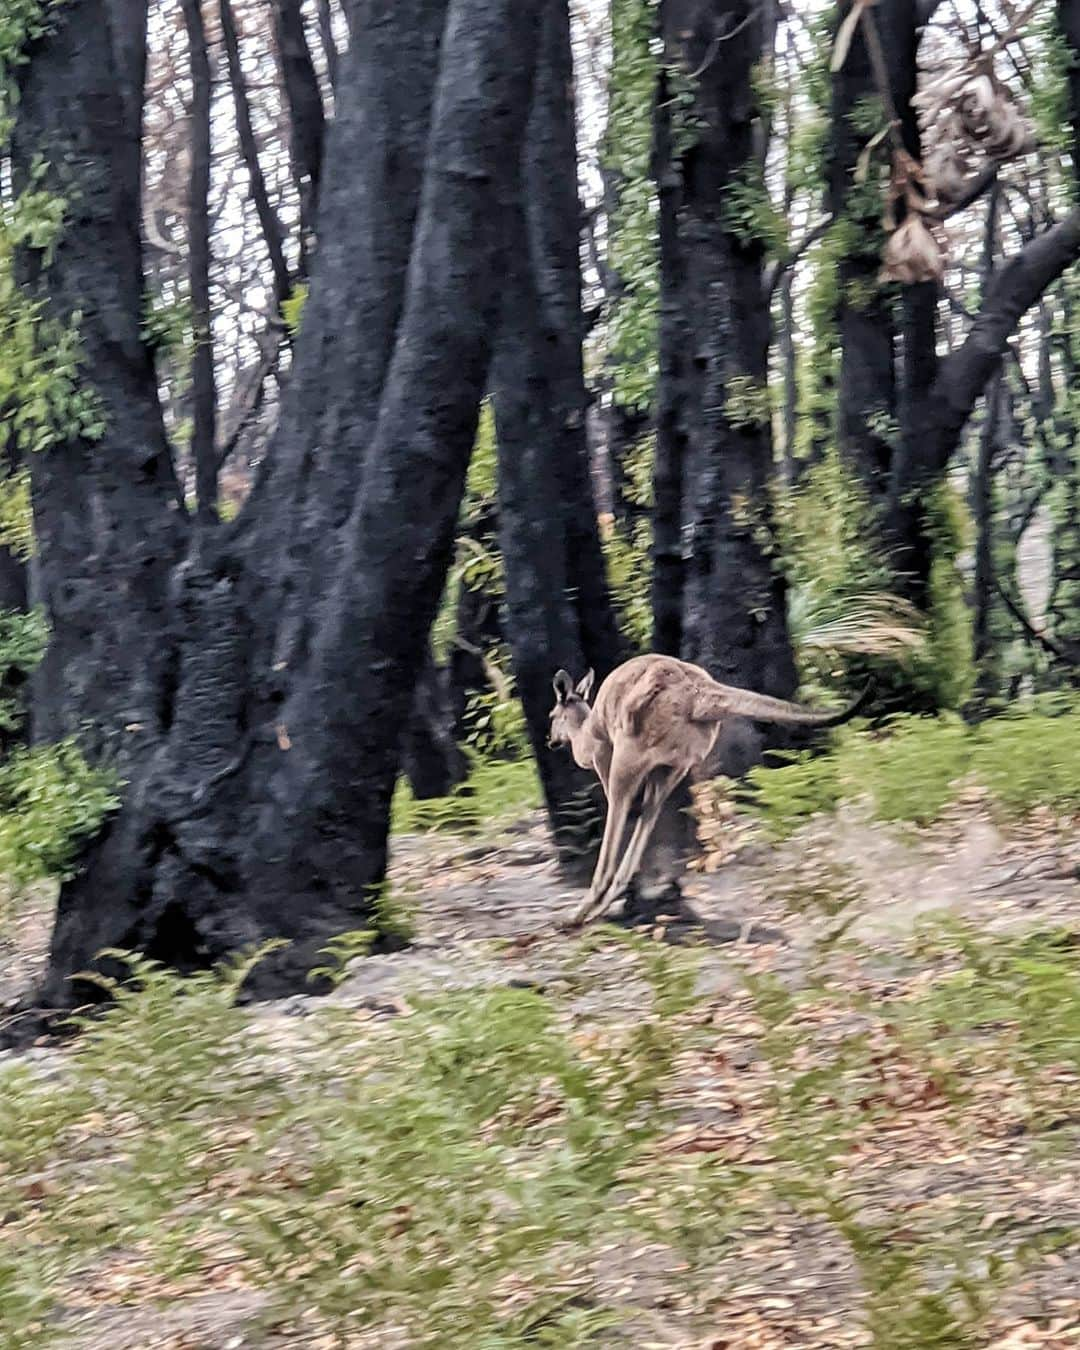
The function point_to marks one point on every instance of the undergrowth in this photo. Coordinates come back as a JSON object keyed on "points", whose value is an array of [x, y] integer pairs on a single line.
{"points": [[465, 1174], [911, 769], [496, 790]]}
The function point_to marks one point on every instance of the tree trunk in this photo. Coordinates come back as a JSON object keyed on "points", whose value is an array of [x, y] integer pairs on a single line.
{"points": [[867, 400], [267, 216], [203, 390], [733, 612], [262, 810], [671, 436], [558, 611], [938, 421], [431, 758], [307, 121], [107, 524]]}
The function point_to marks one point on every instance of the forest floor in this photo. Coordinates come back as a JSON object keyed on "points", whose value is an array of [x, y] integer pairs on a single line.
{"points": [[853, 1124]]}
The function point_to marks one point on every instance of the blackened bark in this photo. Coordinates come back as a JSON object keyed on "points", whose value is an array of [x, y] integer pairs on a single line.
{"points": [[253, 819], [307, 120], [1068, 14], [272, 231], [868, 398], [983, 515], [431, 758], [558, 612], [307, 487], [106, 521], [671, 435], [203, 388], [324, 826], [733, 604], [326, 37], [983, 485], [938, 423], [786, 344]]}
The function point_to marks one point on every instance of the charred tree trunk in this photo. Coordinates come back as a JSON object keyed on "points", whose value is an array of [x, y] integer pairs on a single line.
{"points": [[272, 231], [558, 612], [938, 421], [106, 520], [867, 396], [259, 807], [733, 610], [307, 120], [203, 390], [431, 758], [326, 38], [671, 436]]}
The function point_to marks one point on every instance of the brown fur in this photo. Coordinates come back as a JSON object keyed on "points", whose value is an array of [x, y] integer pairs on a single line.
{"points": [[655, 720]]}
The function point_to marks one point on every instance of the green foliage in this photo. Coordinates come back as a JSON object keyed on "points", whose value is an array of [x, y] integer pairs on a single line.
{"points": [[633, 253], [947, 673], [495, 717], [496, 790], [1029, 985], [17, 515], [746, 402], [51, 802], [477, 562], [292, 308], [21, 23], [627, 548], [1048, 96], [22, 645], [915, 768], [168, 327], [43, 399], [928, 1281], [432, 1179], [750, 214], [629, 572], [841, 605]]}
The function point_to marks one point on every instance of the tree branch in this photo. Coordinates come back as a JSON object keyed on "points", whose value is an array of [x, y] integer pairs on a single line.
{"points": [[203, 391], [775, 274], [307, 120], [268, 221], [1064, 651], [963, 375]]}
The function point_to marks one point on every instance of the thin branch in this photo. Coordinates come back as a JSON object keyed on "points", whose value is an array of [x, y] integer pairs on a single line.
{"points": [[774, 274], [273, 233], [1064, 651], [203, 391]]}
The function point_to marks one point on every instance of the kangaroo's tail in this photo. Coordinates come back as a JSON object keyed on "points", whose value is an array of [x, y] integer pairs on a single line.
{"points": [[724, 700]]}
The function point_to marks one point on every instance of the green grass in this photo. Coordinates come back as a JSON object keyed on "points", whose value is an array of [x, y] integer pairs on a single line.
{"points": [[496, 790], [449, 1177], [914, 767], [433, 1176]]}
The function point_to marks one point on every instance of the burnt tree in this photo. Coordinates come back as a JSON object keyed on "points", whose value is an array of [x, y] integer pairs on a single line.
{"points": [[256, 676], [558, 612], [718, 600]]}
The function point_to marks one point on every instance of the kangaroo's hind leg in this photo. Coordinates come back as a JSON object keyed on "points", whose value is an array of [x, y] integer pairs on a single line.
{"points": [[624, 782], [659, 787]]}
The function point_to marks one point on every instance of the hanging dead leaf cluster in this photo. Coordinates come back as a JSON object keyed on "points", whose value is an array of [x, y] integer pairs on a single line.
{"points": [[968, 120]]}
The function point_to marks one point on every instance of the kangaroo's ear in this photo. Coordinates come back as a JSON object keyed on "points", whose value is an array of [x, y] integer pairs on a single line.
{"points": [[585, 684], [563, 685]]}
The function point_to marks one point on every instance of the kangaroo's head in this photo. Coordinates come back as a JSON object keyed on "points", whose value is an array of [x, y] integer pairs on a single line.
{"points": [[571, 707]]}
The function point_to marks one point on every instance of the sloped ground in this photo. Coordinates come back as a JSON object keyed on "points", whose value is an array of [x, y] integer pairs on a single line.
{"points": [[866, 1135]]}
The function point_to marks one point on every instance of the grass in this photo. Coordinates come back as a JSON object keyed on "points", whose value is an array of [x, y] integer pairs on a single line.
{"points": [[915, 766], [450, 1178], [495, 791]]}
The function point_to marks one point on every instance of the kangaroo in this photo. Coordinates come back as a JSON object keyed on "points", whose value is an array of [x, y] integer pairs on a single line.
{"points": [[655, 720]]}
